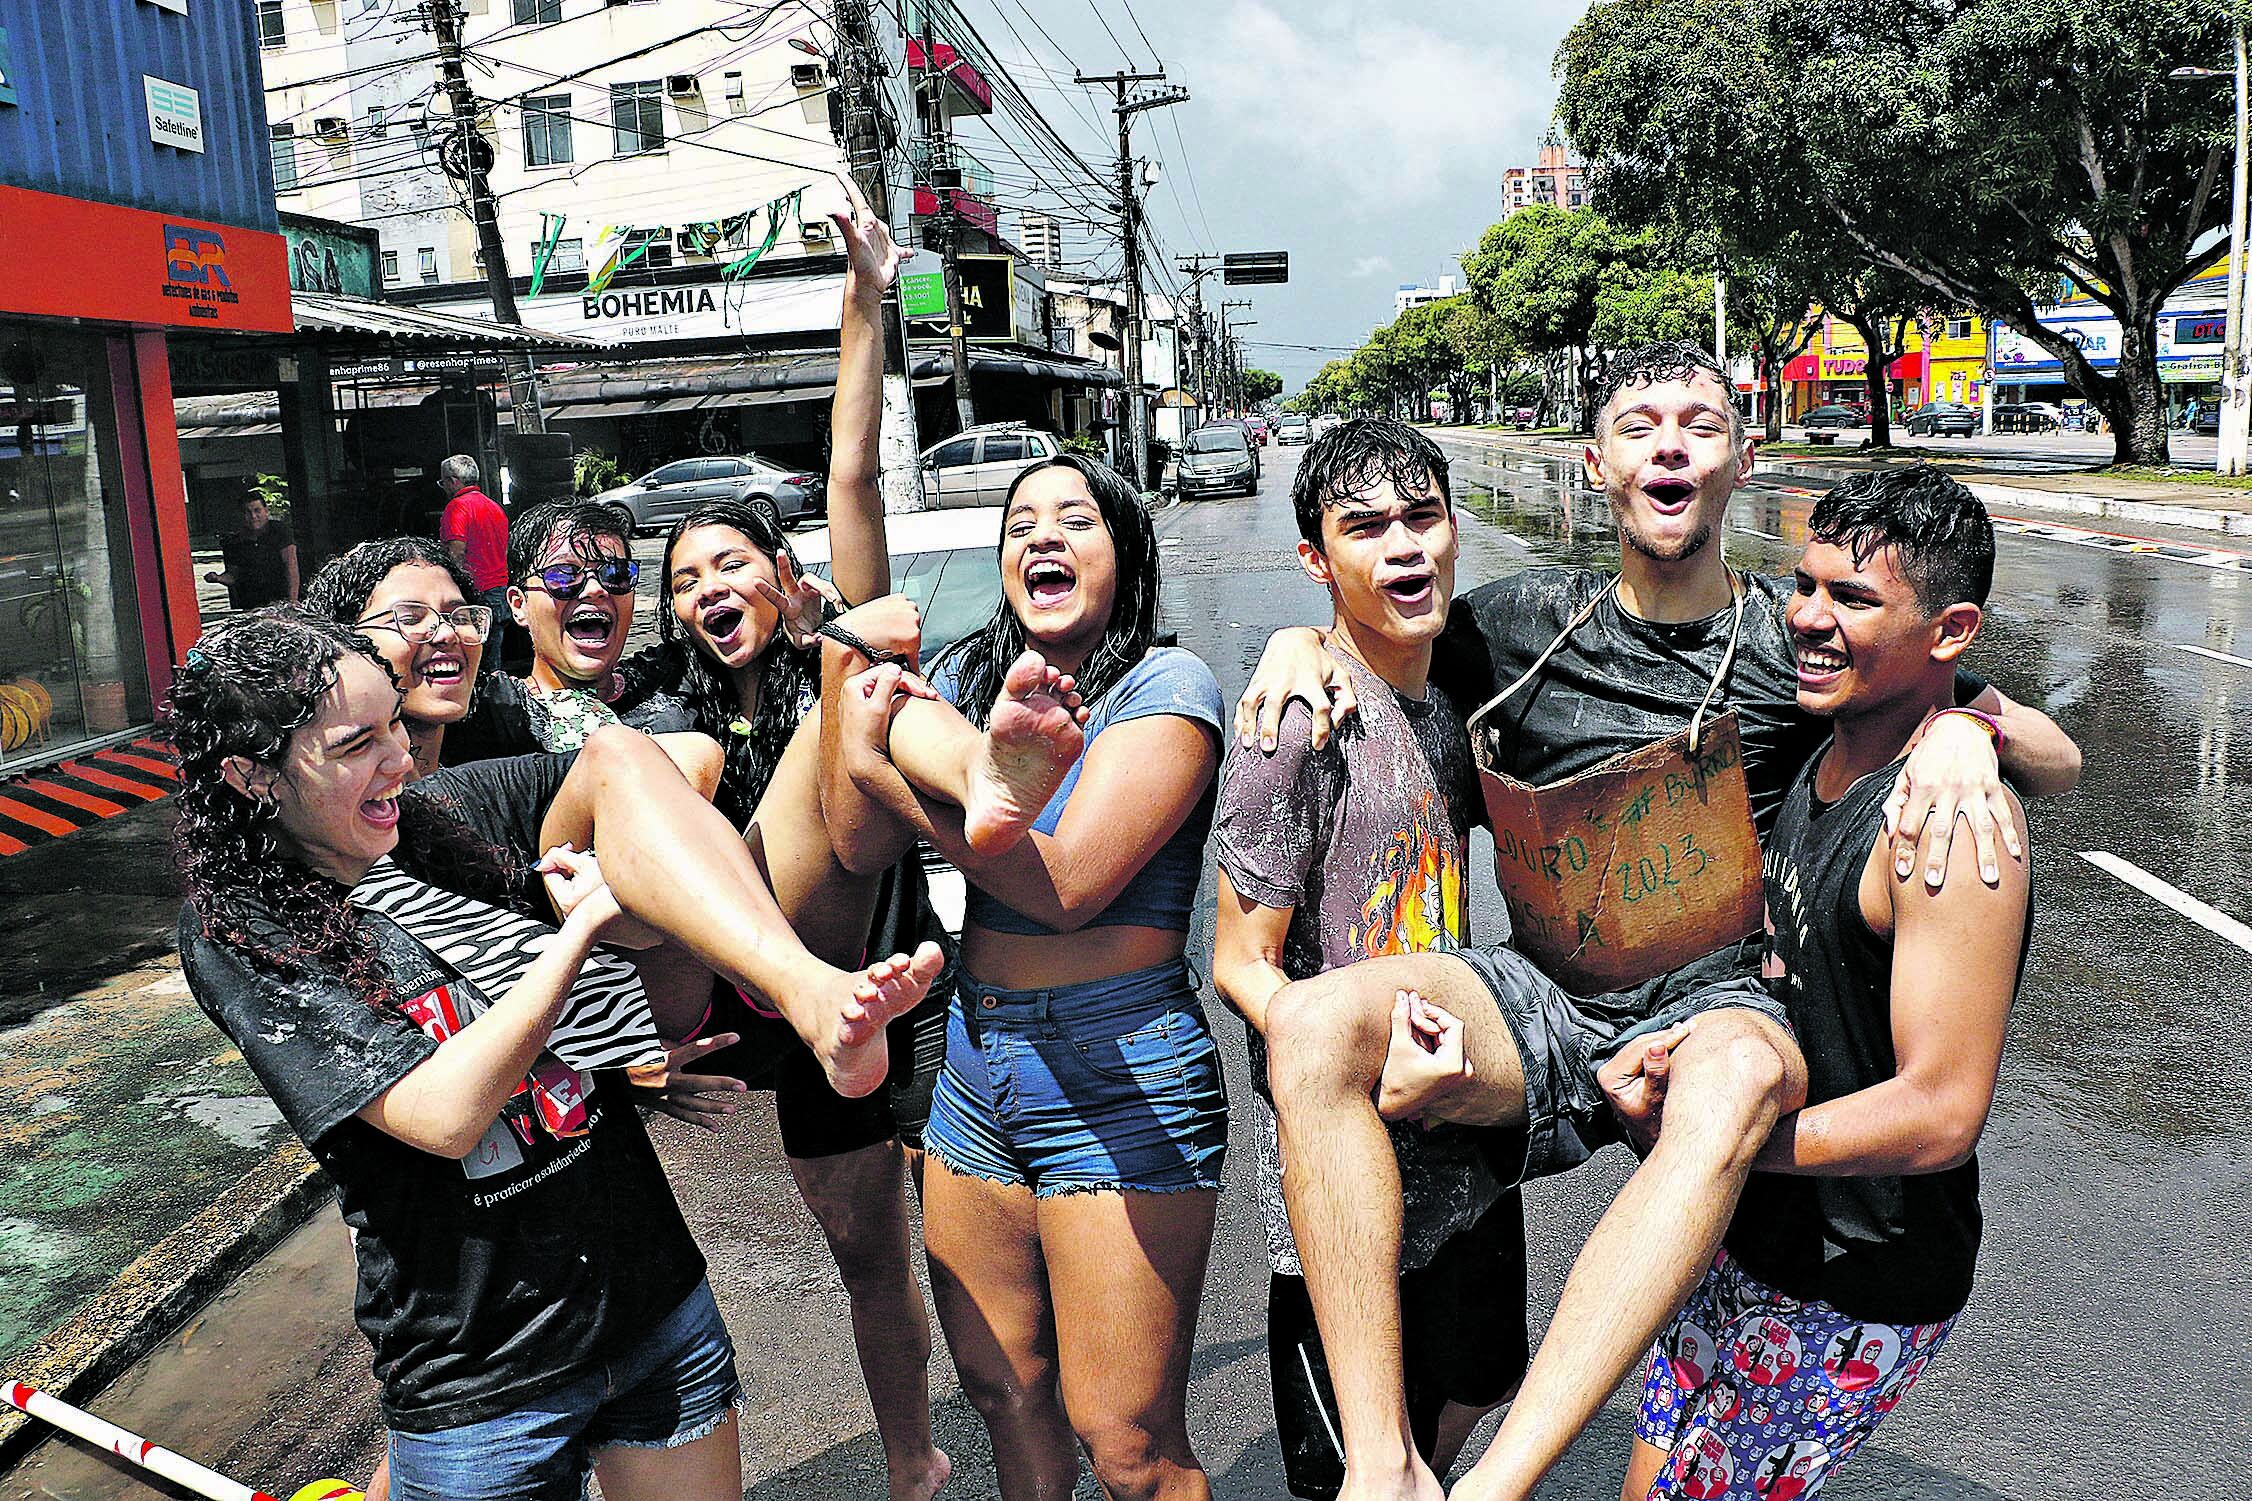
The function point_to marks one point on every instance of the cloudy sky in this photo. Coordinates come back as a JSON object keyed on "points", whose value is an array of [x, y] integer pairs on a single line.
{"points": [[1367, 139]]}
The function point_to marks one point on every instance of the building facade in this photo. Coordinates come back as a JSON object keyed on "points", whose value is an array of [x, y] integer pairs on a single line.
{"points": [[2192, 336], [135, 200], [1554, 179], [1941, 358], [1410, 294], [1040, 237]]}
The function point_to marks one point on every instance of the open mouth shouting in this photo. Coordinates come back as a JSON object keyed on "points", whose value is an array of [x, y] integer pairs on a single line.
{"points": [[722, 623], [1049, 582], [381, 813], [1410, 591], [441, 668], [589, 626], [1670, 495], [1819, 666]]}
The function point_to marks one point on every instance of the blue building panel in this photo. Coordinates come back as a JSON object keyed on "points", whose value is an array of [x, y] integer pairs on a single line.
{"points": [[79, 125]]}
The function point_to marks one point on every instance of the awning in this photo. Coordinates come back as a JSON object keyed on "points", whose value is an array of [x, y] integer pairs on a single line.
{"points": [[252, 430], [406, 325]]}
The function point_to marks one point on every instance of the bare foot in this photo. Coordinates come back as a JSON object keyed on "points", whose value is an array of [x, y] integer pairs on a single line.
{"points": [[1030, 742], [924, 1480], [854, 1054]]}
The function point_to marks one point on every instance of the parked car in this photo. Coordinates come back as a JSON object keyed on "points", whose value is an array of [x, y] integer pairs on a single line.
{"points": [[1523, 414], [1217, 459], [949, 564], [2027, 417], [2208, 419], [1833, 416], [975, 467], [1293, 430], [1255, 428], [670, 491], [1942, 419], [1327, 423]]}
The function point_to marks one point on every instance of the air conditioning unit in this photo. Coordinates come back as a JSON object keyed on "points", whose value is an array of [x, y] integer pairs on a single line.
{"points": [[816, 231], [334, 129], [808, 76], [682, 85]]}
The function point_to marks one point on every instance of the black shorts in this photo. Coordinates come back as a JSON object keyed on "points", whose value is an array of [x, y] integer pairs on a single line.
{"points": [[816, 1121], [1462, 1327], [1562, 1039]]}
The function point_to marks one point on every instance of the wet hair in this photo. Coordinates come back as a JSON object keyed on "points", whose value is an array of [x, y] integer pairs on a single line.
{"points": [[983, 656], [1354, 458], [1941, 539], [791, 675], [345, 583], [584, 522], [247, 687], [1656, 364], [459, 469]]}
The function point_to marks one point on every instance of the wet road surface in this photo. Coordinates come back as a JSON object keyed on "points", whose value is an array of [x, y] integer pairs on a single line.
{"points": [[2102, 1353]]}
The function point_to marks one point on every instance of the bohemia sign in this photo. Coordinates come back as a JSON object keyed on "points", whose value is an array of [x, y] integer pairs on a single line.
{"points": [[148, 268]]}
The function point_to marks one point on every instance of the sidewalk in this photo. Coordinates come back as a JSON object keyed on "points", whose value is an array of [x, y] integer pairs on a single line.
{"points": [[2150, 502], [140, 1163]]}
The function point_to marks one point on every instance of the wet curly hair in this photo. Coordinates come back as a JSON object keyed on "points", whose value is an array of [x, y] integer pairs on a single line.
{"points": [[245, 690], [345, 583], [791, 674]]}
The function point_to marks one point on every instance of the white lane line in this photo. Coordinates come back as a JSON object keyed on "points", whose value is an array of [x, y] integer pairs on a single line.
{"points": [[1756, 532], [2212, 919], [2218, 656]]}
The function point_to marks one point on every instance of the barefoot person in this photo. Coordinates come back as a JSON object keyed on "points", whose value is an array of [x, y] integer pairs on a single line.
{"points": [[1353, 851], [513, 1360], [1858, 1231], [1079, 1127], [1613, 662]]}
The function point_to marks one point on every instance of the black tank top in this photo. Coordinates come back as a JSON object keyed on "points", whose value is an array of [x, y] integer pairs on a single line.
{"points": [[1897, 1250]]}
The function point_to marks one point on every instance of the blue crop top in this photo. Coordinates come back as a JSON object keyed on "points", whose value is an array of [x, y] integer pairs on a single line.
{"points": [[1169, 680]]}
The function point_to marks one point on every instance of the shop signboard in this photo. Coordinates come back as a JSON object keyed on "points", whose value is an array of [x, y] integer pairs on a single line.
{"points": [[2188, 343], [1028, 304], [175, 113], [708, 309], [1002, 303], [325, 257], [156, 268], [922, 286]]}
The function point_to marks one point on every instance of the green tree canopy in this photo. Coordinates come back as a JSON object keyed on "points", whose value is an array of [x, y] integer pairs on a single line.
{"points": [[1259, 385]]}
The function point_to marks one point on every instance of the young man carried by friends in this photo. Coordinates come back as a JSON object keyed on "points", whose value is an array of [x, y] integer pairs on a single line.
{"points": [[1633, 655], [1852, 1250], [571, 588], [1351, 851]]}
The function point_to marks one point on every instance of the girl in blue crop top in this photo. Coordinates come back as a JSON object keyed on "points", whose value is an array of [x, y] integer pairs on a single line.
{"points": [[1079, 1125]]}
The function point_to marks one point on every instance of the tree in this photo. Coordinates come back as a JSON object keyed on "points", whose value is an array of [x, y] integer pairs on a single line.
{"points": [[1536, 275], [1975, 149], [1260, 385]]}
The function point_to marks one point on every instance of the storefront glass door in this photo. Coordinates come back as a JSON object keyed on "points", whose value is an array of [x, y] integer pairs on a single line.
{"points": [[71, 662]]}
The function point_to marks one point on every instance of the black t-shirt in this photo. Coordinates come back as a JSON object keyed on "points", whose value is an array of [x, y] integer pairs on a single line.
{"points": [[1898, 1249], [1619, 682], [255, 571], [484, 1282], [510, 719]]}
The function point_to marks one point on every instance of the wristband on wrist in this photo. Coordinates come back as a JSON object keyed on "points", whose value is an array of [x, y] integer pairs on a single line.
{"points": [[1984, 720], [876, 657]]}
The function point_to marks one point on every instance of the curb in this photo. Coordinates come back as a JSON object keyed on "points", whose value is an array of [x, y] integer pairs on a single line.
{"points": [[2071, 502], [156, 1293]]}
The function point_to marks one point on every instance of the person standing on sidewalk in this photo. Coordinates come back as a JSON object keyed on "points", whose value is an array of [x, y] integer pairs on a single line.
{"points": [[261, 559], [476, 529]]}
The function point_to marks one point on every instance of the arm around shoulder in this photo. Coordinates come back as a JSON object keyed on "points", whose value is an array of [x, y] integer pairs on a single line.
{"points": [[2037, 755]]}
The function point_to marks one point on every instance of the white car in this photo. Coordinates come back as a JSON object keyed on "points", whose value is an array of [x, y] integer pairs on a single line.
{"points": [[949, 564], [975, 467]]}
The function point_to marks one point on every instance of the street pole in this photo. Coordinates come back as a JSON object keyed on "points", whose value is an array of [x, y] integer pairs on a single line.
{"points": [[1129, 218], [2236, 418], [1720, 325], [900, 446], [1231, 362], [939, 130], [523, 383]]}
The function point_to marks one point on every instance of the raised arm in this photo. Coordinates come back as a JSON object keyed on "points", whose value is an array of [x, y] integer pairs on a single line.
{"points": [[1954, 974], [859, 553]]}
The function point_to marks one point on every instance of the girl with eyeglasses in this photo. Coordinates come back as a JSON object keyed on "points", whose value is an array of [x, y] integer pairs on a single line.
{"points": [[537, 1307]]}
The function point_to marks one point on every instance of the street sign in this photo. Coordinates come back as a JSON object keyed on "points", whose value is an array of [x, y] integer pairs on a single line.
{"points": [[922, 286], [1255, 267]]}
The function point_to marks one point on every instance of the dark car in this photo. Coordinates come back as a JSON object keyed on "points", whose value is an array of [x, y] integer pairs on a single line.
{"points": [[1942, 419], [1218, 459], [670, 491], [1833, 416]]}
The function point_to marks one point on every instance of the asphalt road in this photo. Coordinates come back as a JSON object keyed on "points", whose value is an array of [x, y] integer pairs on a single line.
{"points": [[2103, 1352]]}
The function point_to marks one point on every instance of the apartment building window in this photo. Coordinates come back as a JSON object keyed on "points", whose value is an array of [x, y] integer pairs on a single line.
{"points": [[379, 121], [270, 30], [538, 12], [547, 130], [570, 255], [637, 117], [285, 158], [426, 260], [1958, 328], [390, 266], [659, 254]]}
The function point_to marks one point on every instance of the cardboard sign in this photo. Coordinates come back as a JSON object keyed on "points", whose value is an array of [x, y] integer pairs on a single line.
{"points": [[1632, 868]]}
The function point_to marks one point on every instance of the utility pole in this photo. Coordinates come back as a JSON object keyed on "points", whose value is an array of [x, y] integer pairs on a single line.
{"points": [[523, 385], [1232, 365], [1197, 267], [1130, 213], [900, 445], [945, 178]]}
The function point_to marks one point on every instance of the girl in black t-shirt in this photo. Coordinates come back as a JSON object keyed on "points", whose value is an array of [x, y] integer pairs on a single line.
{"points": [[536, 1304]]}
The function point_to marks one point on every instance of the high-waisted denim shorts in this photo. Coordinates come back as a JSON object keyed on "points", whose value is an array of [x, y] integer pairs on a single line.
{"points": [[1111, 1084]]}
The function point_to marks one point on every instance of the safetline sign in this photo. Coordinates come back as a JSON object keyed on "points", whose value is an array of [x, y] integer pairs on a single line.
{"points": [[175, 114]]}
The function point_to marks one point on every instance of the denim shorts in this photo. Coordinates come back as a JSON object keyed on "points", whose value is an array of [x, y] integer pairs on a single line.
{"points": [[672, 1387], [1111, 1084]]}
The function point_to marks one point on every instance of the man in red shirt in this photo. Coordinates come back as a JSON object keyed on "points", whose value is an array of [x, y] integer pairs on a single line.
{"points": [[476, 529]]}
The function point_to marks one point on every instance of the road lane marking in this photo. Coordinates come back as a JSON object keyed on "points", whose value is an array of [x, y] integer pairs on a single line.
{"points": [[2218, 656], [2212, 919]]}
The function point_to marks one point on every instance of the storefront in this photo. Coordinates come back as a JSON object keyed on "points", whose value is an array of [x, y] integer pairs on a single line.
{"points": [[135, 197]]}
